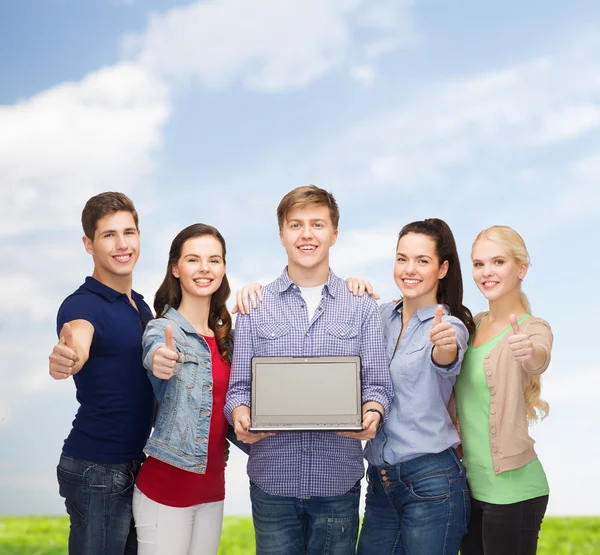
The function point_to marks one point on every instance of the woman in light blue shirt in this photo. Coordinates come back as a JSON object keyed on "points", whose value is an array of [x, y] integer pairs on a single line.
{"points": [[417, 500]]}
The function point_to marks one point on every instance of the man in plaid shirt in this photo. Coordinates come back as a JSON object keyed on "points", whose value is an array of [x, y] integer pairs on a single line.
{"points": [[305, 486]]}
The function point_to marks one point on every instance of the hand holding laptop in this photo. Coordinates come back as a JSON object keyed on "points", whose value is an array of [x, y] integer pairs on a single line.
{"points": [[241, 425], [370, 423]]}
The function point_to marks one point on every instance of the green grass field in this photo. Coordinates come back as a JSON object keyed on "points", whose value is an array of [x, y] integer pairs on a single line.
{"points": [[48, 536]]}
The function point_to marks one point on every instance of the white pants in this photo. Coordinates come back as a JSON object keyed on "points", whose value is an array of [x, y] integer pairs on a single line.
{"points": [[164, 530]]}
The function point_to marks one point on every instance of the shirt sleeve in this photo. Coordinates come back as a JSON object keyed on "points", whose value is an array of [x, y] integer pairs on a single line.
{"points": [[153, 339], [241, 361], [540, 333], [462, 340], [78, 307], [376, 379]]}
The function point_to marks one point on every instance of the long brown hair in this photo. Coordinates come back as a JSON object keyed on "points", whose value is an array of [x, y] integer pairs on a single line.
{"points": [[450, 288], [169, 292]]}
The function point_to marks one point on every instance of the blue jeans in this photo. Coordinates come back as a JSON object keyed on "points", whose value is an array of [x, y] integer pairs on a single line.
{"points": [[312, 526], [418, 507], [98, 500]]}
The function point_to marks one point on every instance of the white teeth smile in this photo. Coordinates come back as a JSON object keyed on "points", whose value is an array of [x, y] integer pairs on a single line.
{"points": [[411, 281], [307, 248], [122, 258], [203, 281]]}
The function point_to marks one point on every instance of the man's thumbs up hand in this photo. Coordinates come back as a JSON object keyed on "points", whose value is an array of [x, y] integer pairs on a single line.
{"points": [[519, 342], [165, 357], [64, 355]]}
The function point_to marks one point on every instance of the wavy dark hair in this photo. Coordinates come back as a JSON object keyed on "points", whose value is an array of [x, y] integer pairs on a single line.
{"points": [[168, 294], [450, 288]]}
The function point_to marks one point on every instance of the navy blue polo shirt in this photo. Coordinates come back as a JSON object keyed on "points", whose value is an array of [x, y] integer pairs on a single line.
{"points": [[115, 395]]}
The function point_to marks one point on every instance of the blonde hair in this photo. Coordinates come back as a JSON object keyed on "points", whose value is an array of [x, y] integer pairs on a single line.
{"points": [[515, 245], [308, 195]]}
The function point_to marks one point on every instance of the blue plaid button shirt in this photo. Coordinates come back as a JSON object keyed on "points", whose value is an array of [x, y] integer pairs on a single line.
{"points": [[306, 464]]}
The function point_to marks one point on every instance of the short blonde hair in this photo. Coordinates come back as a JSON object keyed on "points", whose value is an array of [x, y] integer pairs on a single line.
{"points": [[515, 245], [307, 195]]}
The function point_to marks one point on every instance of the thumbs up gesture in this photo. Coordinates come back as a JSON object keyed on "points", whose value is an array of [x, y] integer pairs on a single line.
{"points": [[64, 355], [442, 334], [165, 357], [520, 343]]}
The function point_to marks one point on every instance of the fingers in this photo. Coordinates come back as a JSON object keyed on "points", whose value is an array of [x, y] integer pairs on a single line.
{"points": [[442, 334], [241, 427], [521, 347], [169, 341], [246, 296], [235, 309], [514, 323], [165, 358], [62, 360]]}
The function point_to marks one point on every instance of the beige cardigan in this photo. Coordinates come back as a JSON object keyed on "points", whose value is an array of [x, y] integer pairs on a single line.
{"points": [[512, 446]]}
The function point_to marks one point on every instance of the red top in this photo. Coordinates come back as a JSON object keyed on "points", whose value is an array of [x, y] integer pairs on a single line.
{"points": [[172, 486]]}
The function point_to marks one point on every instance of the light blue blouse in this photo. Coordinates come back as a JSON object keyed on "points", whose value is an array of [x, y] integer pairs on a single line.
{"points": [[418, 422]]}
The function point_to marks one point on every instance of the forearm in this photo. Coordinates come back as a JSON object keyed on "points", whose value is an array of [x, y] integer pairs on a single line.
{"points": [[444, 357]]}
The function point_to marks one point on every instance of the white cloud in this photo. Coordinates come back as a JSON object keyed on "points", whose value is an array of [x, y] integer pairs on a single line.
{"points": [[363, 74], [265, 44], [69, 142]]}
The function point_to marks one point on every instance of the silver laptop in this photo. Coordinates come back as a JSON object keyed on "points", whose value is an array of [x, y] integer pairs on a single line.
{"points": [[306, 394]]}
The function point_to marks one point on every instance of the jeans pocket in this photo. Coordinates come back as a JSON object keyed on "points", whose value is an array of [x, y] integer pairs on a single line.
{"points": [[122, 481], [434, 487], [341, 536], [75, 490]]}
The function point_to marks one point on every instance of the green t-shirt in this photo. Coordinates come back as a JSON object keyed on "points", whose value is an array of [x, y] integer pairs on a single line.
{"points": [[473, 406]]}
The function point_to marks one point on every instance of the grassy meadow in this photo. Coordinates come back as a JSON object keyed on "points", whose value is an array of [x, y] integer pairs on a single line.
{"points": [[48, 536]]}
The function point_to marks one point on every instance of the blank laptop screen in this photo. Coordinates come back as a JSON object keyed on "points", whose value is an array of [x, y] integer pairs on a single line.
{"points": [[303, 391]]}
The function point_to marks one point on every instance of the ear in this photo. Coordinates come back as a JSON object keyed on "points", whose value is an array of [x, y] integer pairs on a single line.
{"points": [[88, 245], [175, 271], [523, 269], [443, 270], [281, 237], [335, 236]]}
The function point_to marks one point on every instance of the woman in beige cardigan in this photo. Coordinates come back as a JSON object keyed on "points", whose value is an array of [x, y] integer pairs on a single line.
{"points": [[497, 392]]}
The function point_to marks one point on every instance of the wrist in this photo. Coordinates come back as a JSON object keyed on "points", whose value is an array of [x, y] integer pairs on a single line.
{"points": [[380, 425]]}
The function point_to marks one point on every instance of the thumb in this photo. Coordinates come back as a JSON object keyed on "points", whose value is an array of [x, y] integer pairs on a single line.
{"points": [[169, 341], [515, 325], [66, 336], [438, 315]]}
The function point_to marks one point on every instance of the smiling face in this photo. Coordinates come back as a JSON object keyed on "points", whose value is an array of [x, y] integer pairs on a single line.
{"points": [[495, 271], [115, 248], [417, 271], [307, 234], [200, 267]]}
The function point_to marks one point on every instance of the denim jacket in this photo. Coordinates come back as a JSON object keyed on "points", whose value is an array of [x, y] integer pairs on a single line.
{"points": [[180, 435]]}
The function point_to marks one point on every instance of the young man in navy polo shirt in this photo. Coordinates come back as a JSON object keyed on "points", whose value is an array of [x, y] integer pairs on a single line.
{"points": [[100, 327]]}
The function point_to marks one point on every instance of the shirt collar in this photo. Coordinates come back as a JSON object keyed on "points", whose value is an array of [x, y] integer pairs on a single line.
{"points": [[173, 315], [423, 314], [97, 287], [332, 285]]}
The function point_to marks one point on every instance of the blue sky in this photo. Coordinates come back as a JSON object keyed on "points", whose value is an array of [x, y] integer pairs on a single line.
{"points": [[211, 111]]}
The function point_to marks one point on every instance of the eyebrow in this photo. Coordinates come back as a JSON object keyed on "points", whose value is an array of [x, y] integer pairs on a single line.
{"points": [[418, 255], [198, 256], [115, 230]]}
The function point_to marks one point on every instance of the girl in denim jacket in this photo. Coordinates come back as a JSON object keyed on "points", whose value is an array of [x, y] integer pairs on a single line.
{"points": [[179, 494]]}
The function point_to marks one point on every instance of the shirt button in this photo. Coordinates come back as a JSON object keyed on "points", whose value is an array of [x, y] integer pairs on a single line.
{"points": [[272, 335], [487, 356], [301, 306], [201, 439], [488, 373], [493, 411], [493, 430], [495, 449], [385, 479], [342, 334], [493, 391], [383, 472], [320, 308]]}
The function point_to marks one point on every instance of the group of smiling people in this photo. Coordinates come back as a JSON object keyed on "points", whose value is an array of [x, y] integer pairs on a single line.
{"points": [[447, 397]]}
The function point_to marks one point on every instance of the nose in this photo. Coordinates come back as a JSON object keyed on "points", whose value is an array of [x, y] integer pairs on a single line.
{"points": [[204, 266], [411, 267], [487, 270], [121, 242], [306, 232]]}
